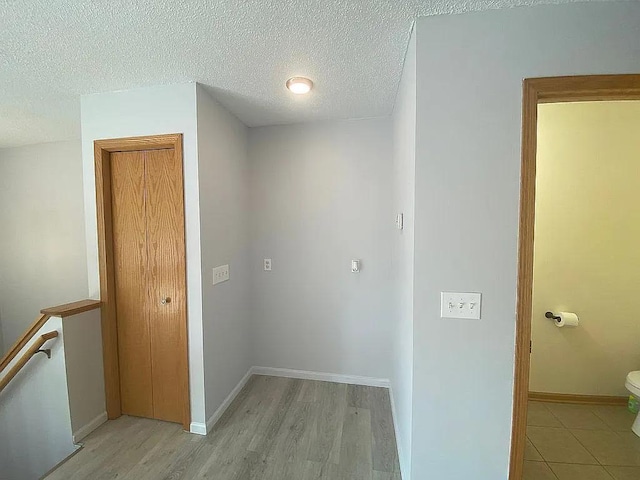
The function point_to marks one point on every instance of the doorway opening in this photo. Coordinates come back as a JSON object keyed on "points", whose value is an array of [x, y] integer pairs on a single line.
{"points": [[538, 91]]}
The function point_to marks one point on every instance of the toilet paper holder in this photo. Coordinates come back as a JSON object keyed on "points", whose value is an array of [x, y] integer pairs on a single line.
{"points": [[550, 315], [564, 319]]}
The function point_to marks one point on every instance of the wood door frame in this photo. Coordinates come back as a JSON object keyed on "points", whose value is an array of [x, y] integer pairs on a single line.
{"points": [[102, 156], [536, 91]]}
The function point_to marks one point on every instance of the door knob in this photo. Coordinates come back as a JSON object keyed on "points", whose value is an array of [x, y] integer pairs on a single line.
{"points": [[165, 300]]}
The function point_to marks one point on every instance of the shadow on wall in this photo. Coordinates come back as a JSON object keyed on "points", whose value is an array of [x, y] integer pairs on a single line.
{"points": [[42, 240]]}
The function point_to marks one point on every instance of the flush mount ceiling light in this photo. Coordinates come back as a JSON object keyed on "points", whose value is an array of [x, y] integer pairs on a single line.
{"points": [[299, 85]]}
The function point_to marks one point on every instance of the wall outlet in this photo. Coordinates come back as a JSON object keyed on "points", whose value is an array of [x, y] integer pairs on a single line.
{"points": [[220, 274], [460, 305], [267, 264]]}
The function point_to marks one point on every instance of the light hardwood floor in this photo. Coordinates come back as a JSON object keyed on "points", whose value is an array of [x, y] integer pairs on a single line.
{"points": [[276, 429]]}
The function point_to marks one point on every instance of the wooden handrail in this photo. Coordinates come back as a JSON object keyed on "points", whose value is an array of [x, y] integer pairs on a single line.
{"points": [[23, 340], [33, 349], [65, 310], [69, 309]]}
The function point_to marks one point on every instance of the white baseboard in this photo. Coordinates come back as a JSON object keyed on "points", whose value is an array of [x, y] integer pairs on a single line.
{"points": [[76, 449], [227, 401], [198, 428], [322, 376], [89, 427], [404, 469]]}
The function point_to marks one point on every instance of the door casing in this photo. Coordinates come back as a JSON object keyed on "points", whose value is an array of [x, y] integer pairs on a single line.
{"points": [[544, 90], [102, 155]]}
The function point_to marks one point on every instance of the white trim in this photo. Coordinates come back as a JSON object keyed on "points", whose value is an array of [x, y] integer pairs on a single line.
{"points": [[198, 428], [76, 449], [89, 427], [404, 469], [227, 401], [323, 377]]}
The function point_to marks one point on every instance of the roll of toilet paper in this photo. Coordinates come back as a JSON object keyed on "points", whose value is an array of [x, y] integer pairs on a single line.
{"points": [[567, 319]]}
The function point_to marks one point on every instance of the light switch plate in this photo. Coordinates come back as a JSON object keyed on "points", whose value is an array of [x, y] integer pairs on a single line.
{"points": [[400, 221], [460, 305], [220, 274], [355, 266]]}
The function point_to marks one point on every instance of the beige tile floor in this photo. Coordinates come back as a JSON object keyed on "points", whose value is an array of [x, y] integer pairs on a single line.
{"points": [[580, 442]]}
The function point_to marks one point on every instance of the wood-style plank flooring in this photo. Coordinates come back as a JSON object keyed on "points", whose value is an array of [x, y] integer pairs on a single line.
{"points": [[276, 429]]}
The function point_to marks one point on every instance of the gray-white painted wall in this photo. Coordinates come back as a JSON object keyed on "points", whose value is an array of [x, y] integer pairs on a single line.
{"points": [[152, 111], [35, 422], [85, 372], [321, 195], [469, 71], [42, 259], [224, 236], [404, 169]]}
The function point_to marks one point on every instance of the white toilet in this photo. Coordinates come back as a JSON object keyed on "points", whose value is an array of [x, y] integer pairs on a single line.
{"points": [[633, 385]]}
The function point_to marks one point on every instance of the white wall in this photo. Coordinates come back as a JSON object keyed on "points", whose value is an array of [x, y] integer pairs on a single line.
{"points": [[470, 71], [404, 164], [321, 196], [224, 233], [586, 247], [42, 261], [35, 425], [85, 372], [151, 111]]}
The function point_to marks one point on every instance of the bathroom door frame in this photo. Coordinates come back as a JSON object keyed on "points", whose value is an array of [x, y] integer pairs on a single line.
{"points": [[536, 91]]}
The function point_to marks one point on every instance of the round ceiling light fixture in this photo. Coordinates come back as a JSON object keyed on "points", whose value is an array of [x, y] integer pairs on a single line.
{"points": [[299, 85]]}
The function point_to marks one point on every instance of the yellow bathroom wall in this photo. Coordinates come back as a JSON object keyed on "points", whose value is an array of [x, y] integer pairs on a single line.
{"points": [[587, 247]]}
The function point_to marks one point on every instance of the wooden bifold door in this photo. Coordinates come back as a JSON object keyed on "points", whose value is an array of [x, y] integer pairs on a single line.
{"points": [[148, 284]]}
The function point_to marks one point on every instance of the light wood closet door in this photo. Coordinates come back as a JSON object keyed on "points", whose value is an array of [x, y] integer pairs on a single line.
{"points": [[131, 282], [167, 286], [150, 285]]}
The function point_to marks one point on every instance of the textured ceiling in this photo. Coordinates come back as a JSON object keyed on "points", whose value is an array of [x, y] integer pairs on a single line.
{"points": [[53, 51]]}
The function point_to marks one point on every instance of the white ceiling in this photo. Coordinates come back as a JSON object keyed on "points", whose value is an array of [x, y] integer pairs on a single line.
{"points": [[53, 51]]}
